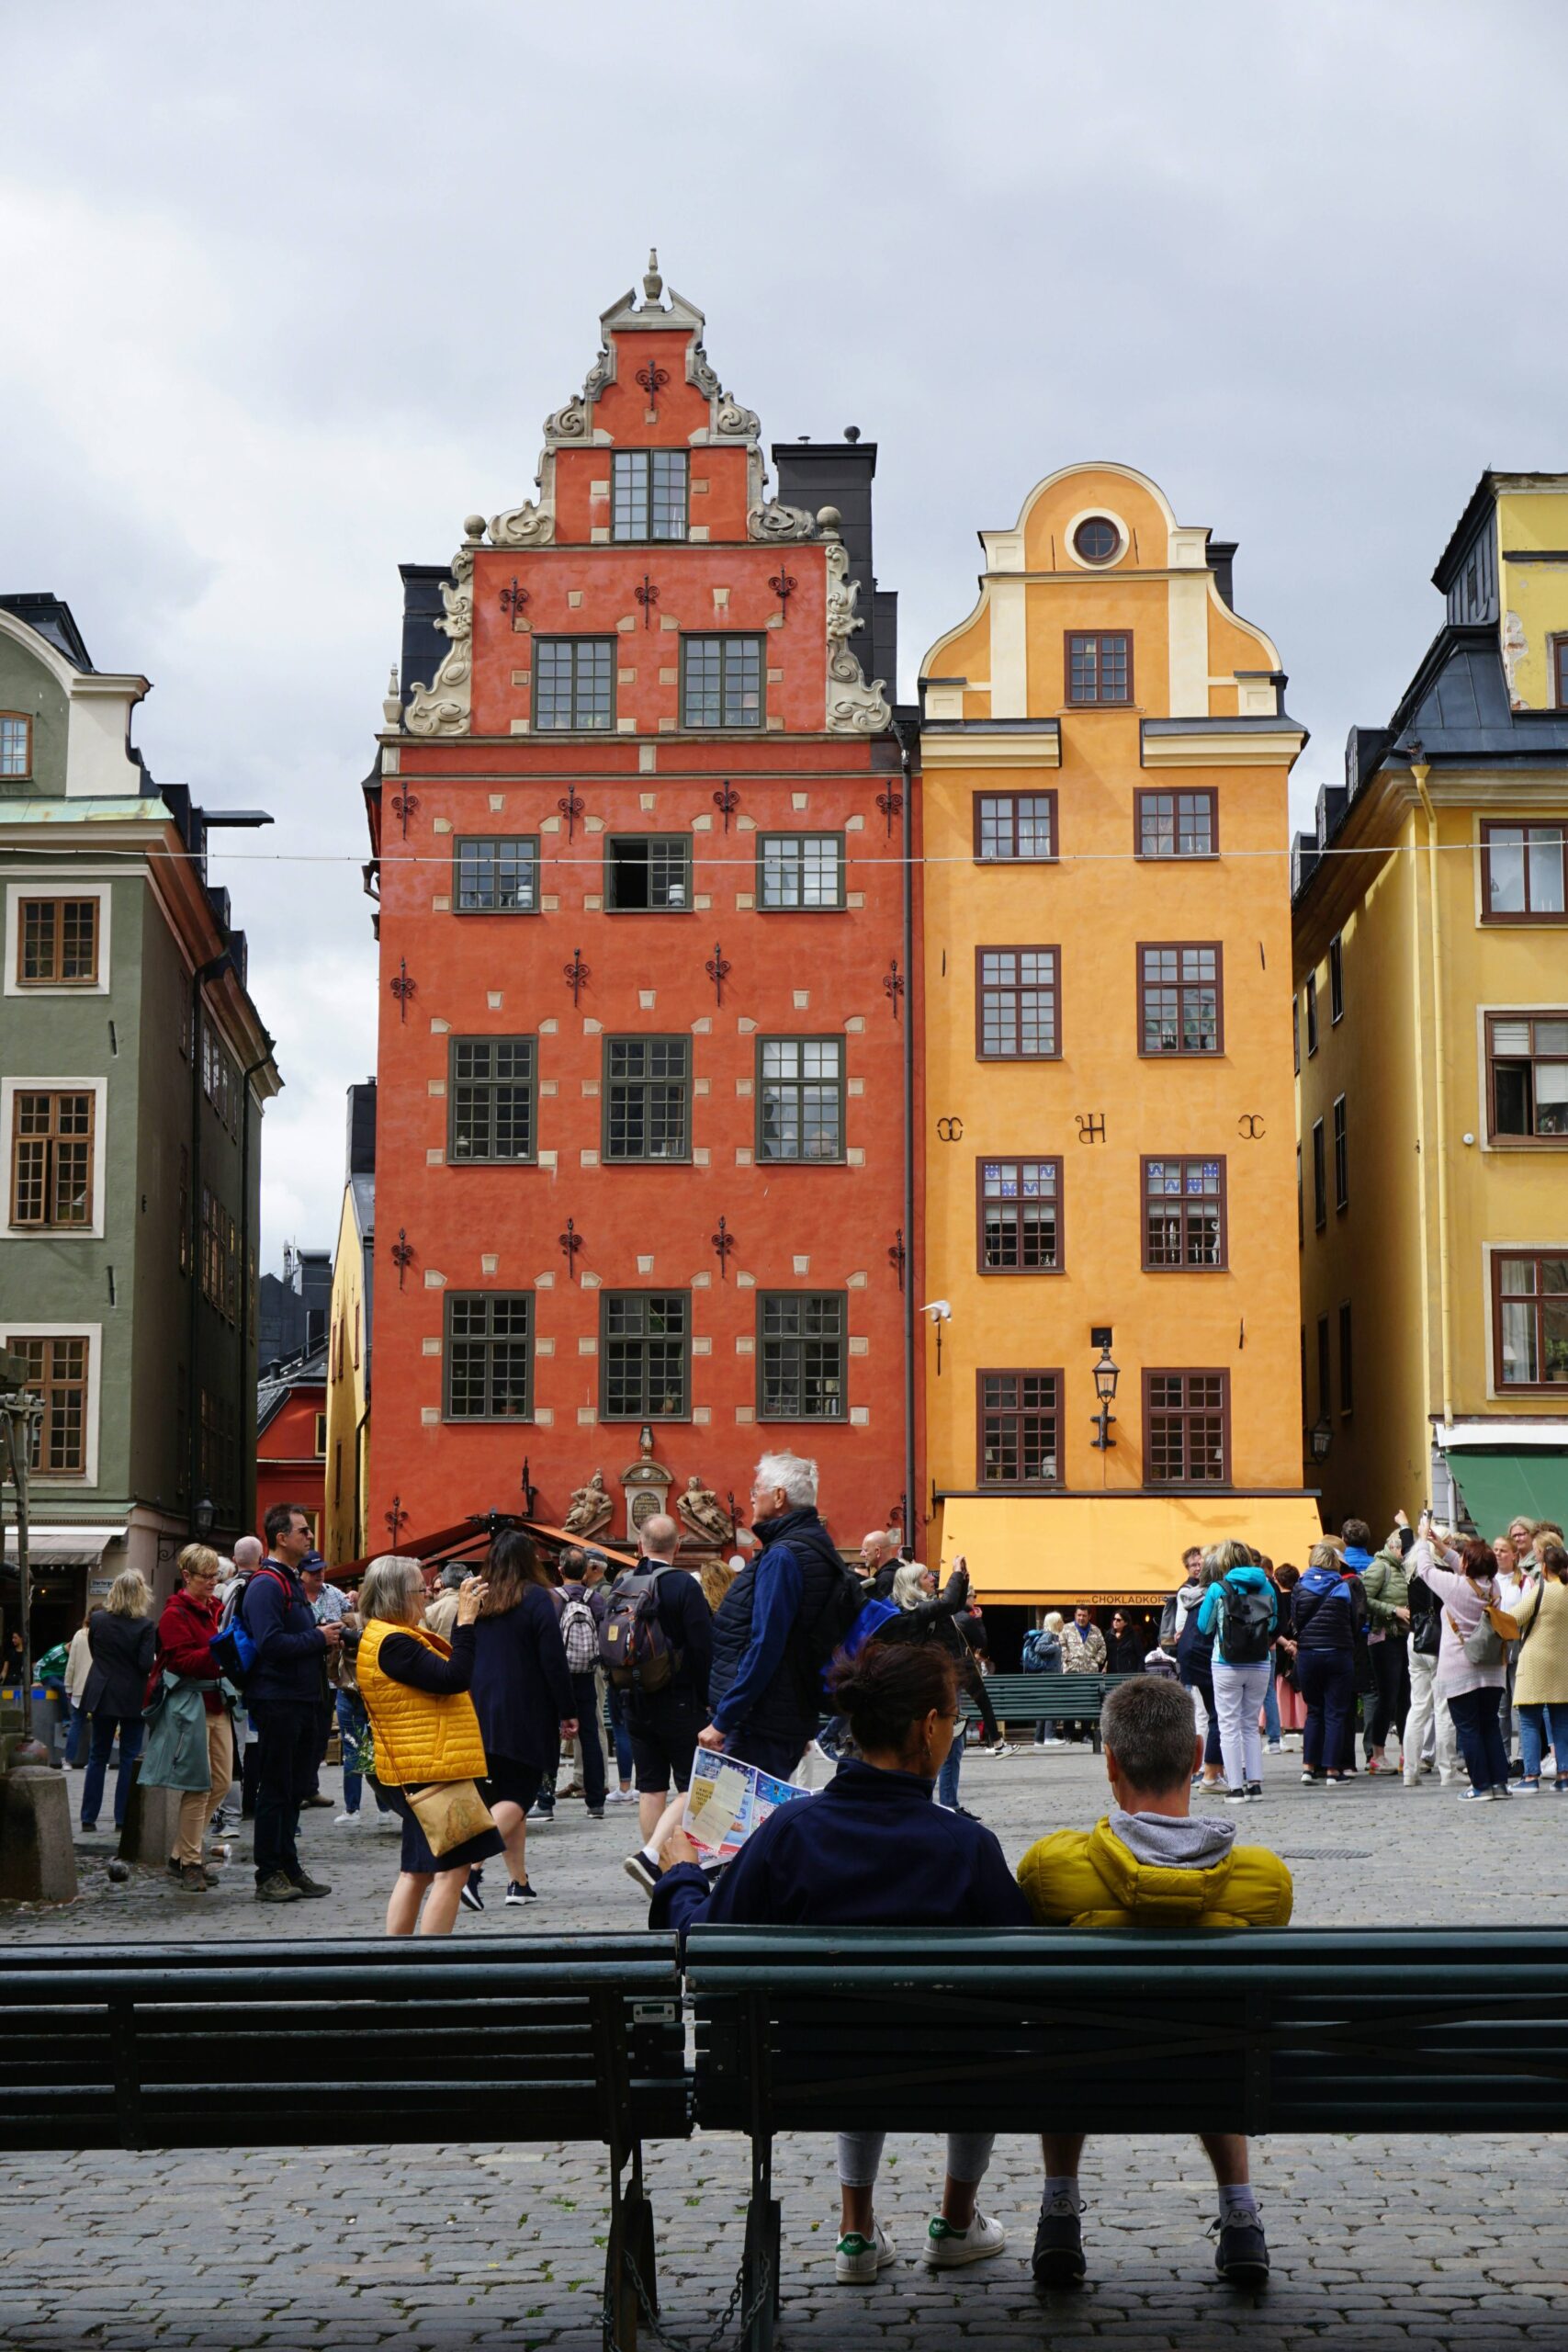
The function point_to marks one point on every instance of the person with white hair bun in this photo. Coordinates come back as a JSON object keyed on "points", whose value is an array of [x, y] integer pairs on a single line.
{"points": [[766, 1684]]}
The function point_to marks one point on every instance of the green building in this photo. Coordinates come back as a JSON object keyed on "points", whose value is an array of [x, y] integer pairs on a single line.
{"points": [[133, 1070]]}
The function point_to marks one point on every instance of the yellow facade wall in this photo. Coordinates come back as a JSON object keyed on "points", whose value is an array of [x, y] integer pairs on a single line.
{"points": [[348, 1394], [1534, 596], [1096, 904]]}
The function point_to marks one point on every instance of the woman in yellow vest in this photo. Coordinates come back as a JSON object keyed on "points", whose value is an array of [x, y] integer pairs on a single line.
{"points": [[415, 1688]]}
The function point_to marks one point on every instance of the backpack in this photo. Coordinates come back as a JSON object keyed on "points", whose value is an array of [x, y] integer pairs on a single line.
{"points": [[1244, 1624], [1034, 1643], [233, 1646], [873, 1615], [1167, 1624], [580, 1637], [634, 1649], [836, 1623]]}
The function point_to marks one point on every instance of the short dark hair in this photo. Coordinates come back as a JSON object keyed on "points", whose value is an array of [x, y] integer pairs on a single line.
{"points": [[886, 1687], [279, 1520], [573, 1560], [1356, 1532], [1148, 1724]]}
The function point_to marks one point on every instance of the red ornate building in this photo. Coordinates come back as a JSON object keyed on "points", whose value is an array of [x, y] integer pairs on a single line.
{"points": [[639, 832]]}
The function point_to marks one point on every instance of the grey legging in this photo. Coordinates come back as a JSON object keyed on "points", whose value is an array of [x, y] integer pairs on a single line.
{"points": [[860, 2157]]}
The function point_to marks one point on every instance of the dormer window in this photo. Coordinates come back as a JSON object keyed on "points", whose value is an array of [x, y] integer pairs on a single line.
{"points": [[15, 743], [650, 494]]}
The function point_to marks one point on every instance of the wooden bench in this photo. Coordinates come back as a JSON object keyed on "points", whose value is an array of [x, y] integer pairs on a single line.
{"points": [[357, 2044], [1311, 2030], [1046, 1698]]}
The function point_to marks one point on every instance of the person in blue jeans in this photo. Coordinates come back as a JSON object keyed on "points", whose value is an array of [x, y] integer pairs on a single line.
{"points": [[1327, 1612], [123, 1639], [354, 1732]]}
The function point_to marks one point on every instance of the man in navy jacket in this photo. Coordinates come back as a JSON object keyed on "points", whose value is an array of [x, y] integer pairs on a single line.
{"points": [[765, 1688], [284, 1693]]}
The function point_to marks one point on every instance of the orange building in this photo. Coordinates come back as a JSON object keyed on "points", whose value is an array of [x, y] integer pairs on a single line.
{"points": [[643, 1160], [1109, 1177]]}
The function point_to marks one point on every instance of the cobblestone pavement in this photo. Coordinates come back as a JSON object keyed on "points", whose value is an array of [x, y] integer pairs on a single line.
{"points": [[1376, 2241]]}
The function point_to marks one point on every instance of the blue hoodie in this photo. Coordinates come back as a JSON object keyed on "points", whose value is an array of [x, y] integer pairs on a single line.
{"points": [[1211, 1611]]}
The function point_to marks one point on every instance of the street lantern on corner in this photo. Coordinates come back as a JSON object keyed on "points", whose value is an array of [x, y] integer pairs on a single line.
{"points": [[203, 1519], [1107, 1373], [1322, 1438]]}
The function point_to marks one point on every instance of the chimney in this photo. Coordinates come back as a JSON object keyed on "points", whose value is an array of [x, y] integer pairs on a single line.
{"points": [[815, 474], [362, 1129]]}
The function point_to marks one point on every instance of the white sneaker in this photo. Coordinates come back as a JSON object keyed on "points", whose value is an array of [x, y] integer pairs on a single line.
{"points": [[1054, 1743], [857, 2260], [346, 1821], [620, 1796], [1000, 1748], [949, 2249]]}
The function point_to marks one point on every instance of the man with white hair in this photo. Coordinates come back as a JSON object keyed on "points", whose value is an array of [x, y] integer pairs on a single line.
{"points": [[765, 1689]]}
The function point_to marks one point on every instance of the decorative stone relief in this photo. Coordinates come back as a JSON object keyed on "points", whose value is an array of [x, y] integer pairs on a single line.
{"points": [[443, 706], [532, 525], [731, 419], [854, 707], [776, 521]]}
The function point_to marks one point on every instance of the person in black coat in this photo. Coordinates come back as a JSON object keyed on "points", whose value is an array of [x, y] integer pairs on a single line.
{"points": [[1124, 1647], [872, 1849], [522, 1692], [121, 1641]]}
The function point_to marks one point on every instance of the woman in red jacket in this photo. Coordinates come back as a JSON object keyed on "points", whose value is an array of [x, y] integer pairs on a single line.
{"points": [[185, 1649]]}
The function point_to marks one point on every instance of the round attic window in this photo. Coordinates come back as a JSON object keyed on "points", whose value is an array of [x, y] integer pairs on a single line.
{"points": [[1097, 539]]}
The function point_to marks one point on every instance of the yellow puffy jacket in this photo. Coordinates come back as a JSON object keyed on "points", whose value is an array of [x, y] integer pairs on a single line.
{"points": [[419, 1737], [1087, 1878]]}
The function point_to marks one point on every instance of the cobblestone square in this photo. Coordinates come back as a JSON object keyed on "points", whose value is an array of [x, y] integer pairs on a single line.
{"points": [[1376, 2242]]}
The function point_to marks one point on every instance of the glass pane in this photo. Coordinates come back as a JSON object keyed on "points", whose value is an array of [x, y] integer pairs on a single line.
{"points": [[1545, 870], [1505, 869], [1554, 1342], [1551, 1037], [1511, 1098], [1518, 1343], [1514, 1037]]}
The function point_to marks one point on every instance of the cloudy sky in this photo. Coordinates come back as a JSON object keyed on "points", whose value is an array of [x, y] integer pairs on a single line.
{"points": [[289, 290]]}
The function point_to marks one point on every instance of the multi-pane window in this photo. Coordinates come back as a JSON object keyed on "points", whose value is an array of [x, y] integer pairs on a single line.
{"points": [[648, 873], [721, 681], [1017, 827], [574, 683], [1560, 672], [52, 1158], [184, 1249], [800, 870], [56, 1371], [1019, 1414], [1177, 824], [1184, 1213], [1186, 1431], [1347, 1364], [649, 494], [1301, 1205], [1341, 1156], [801, 1347], [1325, 1397], [1312, 1013], [498, 876], [647, 1090], [1319, 1177], [1296, 1033], [1530, 1317], [490, 1355], [800, 1097], [217, 1450], [15, 743], [1527, 1064], [1020, 1211], [1523, 877], [219, 1257], [1099, 666], [645, 1348], [491, 1083], [1336, 979], [57, 943], [1180, 1004], [1015, 1009]]}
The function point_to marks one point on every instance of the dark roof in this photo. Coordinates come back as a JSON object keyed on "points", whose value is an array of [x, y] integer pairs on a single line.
{"points": [[278, 1381], [1457, 706], [363, 1190], [52, 619], [1483, 496]]}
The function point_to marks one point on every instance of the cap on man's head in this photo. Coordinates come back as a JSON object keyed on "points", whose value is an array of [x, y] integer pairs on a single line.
{"points": [[313, 1565]]}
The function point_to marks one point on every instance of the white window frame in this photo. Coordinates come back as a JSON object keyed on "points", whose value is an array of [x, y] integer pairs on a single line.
{"points": [[55, 887], [96, 1087], [24, 1327]]}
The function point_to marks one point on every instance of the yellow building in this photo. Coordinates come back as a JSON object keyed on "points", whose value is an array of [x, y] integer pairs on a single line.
{"points": [[348, 1535], [1431, 972], [1107, 1112]]}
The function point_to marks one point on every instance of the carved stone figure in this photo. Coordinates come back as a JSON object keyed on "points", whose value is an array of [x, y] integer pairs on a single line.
{"points": [[532, 525], [777, 521], [592, 1509], [730, 418], [705, 1515], [853, 707], [442, 708]]}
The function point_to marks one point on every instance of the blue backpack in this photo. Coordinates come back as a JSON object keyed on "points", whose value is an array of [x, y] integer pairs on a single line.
{"points": [[233, 1645], [869, 1618]]}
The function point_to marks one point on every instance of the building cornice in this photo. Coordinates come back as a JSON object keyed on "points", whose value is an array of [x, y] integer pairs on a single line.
{"points": [[1220, 742], [990, 743]]}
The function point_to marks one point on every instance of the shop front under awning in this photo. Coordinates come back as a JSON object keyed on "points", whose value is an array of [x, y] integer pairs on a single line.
{"points": [[1499, 1483], [62, 1547], [1111, 1549]]}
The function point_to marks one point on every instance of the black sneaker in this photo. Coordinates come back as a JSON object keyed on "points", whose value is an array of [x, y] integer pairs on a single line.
{"points": [[594, 1812], [1241, 2251], [304, 1884], [642, 1870], [541, 1813], [1255, 1788], [278, 1889], [1058, 2256], [470, 1895], [526, 1892]]}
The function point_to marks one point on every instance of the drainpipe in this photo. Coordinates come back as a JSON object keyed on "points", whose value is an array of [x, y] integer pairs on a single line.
{"points": [[1420, 769], [910, 1489], [247, 1383], [203, 973]]}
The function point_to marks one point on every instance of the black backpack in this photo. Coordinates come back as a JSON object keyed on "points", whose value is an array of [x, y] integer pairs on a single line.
{"points": [[834, 1622], [633, 1648], [1245, 1613]]}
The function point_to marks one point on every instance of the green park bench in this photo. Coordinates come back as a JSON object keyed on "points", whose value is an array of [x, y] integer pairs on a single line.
{"points": [[1310, 2030], [359, 2043], [1046, 1698]]}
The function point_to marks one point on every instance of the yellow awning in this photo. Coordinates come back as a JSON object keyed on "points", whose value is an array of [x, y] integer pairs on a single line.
{"points": [[1109, 1549]]}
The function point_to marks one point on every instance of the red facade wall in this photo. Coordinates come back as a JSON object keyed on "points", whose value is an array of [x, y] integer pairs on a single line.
{"points": [[795, 1227], [288, 1468]]}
